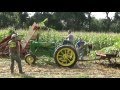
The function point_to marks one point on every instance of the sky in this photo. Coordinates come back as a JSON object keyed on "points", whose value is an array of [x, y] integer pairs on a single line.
{"points": [[100, 15], [31, 13], [97, 15]]}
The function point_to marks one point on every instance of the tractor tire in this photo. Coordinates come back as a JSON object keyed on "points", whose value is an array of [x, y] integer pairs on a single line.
{"points": [[65, 56], [30, 59]]}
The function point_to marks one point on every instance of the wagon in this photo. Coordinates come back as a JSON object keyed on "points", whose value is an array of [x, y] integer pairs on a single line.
{"points": [[107, 56], [23, 45]]}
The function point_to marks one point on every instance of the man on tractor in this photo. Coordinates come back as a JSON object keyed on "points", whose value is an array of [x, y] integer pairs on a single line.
{"points": [[69, 38], [14, 53]]}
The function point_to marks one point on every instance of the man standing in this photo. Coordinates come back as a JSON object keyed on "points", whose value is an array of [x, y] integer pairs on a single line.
{"points": [[14, 53]]}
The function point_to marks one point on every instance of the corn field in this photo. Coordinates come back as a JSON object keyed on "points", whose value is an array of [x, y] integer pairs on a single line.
{"points": [[101, 41]]}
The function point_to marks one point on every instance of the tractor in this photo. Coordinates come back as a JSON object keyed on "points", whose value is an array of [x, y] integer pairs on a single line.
{"points": [[65, 55]]}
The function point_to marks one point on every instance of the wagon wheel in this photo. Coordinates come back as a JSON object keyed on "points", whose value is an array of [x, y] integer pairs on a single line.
{"points": [[30, 59], [65, 56]]}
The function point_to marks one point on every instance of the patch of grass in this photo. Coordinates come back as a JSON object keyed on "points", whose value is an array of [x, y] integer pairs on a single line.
{"points": [[44, 60]]}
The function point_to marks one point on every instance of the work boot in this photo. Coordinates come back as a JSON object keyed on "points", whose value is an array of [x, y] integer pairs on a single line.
{"points": [[12, 72]]}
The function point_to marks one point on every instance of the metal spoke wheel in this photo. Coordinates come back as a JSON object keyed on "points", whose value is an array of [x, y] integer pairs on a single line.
{"points": [[30, 59], [65, 56]]}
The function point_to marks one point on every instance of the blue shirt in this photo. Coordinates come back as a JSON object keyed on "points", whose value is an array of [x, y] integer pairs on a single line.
{"points": [[80, 43]]}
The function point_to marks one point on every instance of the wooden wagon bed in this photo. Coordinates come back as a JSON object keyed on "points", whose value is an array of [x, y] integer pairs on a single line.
{"points": [[103, 56]]}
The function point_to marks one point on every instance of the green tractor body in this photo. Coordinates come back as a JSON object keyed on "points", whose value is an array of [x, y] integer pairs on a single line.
{"points": [[64, 55], [42, 48]]}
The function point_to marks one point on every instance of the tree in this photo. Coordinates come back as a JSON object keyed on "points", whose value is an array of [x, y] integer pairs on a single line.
{"points": [[117, 16], [108, 21], [89, 19], [115, 27], [8, 19]]}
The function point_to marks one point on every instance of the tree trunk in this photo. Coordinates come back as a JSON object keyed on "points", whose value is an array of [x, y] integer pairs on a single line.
{"points": [[89, 21], [108, 21]]}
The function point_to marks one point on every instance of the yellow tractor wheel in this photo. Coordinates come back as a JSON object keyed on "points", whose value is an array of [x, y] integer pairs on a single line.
{"points": [[65, 56], [30, 59]]}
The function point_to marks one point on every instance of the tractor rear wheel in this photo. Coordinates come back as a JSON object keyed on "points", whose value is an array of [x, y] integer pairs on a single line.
{"points": [[65, 56]]}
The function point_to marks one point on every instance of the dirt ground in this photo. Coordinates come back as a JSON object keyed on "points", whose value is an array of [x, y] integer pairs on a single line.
{"points": [[89, 69]]}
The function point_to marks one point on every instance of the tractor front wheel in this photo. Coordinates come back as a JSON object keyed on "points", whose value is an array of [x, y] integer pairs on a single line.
{"points": [[30, 59]]}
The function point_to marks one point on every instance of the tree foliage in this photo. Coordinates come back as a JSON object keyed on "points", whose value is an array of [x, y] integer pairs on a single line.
{"points": [[77, 21]]}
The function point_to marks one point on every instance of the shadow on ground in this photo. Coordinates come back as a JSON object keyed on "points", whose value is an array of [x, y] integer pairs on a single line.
{"points": [[54, 65], [114, 65], [44, 65]]}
